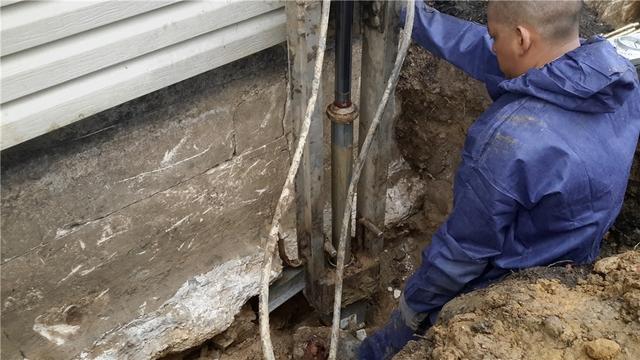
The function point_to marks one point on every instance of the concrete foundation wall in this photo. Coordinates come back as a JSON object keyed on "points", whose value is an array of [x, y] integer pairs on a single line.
{"points": [[136, 232]]}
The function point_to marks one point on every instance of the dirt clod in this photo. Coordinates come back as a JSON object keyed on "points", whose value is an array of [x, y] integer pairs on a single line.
{"points": [[312, 343], [242, 328], [315, 349], [553, 326], [602, 349]]}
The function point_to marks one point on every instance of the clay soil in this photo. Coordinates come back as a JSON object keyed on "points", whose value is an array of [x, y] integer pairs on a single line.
{"points": [[547, 313]]}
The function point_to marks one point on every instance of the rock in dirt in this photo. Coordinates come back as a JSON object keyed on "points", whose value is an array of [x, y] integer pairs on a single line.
{"points": [[241, 329], [602, 349], [361, 334], [312, 343], [543, 313], [404, 194], [397, 293], [553, 326], [617, 12]]}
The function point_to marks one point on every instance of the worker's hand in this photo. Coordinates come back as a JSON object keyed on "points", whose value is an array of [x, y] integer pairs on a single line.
{"points": [[388, 340], [401, 327]]}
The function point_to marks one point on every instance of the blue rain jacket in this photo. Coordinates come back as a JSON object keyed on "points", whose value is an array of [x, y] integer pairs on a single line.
{"points": [[544, 169]]}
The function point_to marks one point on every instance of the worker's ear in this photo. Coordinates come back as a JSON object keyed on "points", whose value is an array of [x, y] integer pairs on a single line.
{"points": [[524, 39]]}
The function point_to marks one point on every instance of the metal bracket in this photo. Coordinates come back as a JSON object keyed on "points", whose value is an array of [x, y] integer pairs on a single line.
{"points": [[344, 115], [371, 227], [289, 284]]}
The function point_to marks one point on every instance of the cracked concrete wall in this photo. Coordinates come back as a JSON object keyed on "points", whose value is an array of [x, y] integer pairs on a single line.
{"points": [[136, 232]]}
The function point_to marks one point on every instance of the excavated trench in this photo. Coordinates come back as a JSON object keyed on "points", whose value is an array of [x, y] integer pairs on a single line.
{"points": [[547, 313]]}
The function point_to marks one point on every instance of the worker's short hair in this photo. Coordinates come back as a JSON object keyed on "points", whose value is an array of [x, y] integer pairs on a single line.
{"points": [[554, 20]]}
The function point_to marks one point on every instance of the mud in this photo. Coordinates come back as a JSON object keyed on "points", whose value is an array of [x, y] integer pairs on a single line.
{"points": [[567, 313]]}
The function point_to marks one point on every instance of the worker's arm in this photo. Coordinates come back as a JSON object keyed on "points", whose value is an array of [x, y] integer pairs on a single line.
{"points": [[464, 245], [465, 44]]}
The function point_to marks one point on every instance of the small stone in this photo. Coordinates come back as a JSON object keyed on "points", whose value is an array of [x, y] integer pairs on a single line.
{"points": [[361, 334], [241, 329], [389, 289], [602, 349], [396, 294], [399, 255], [553, 326], [482, 327], [606, 265]]}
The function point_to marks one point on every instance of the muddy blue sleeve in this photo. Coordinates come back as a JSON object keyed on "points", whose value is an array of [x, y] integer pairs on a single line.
{"points": [[463, 247], [465, 44]]}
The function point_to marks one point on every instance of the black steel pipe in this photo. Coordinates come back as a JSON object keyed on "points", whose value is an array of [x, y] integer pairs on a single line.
{"points": [[342, 113], [344, 22]]}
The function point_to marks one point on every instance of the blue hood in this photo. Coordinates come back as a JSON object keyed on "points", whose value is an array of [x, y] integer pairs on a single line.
{"points": [[592, 78]]}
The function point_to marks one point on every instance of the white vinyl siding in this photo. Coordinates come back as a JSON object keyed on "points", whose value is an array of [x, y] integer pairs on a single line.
{"points": [[64, 61]]}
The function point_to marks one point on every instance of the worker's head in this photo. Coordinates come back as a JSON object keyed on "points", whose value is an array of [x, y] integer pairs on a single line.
{"points": [[528, 34]]}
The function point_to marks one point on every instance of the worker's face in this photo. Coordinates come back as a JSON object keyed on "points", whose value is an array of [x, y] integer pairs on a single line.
{"points": [[511, 46]]}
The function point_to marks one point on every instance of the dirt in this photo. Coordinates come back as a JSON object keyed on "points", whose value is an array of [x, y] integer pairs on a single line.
{"points": [[542, 313], [439, 103], [571, 313], [242, 340], [590, 24], [617, 12]]}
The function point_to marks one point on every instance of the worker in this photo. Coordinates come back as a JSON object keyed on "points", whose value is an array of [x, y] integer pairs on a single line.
{"points": [[544, 169]]}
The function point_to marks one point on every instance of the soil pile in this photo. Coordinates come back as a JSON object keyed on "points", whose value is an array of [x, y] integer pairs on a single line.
{"points": [[543, 313]]}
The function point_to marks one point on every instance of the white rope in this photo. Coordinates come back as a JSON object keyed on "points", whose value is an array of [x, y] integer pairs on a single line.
{"points": [[393, 79], [287, 194]]}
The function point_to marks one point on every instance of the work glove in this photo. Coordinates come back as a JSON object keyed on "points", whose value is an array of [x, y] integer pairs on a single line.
{"points": [[387, 341]]}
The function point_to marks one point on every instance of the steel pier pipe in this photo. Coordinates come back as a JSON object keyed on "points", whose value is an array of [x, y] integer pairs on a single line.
{"points": [[342, 113]]}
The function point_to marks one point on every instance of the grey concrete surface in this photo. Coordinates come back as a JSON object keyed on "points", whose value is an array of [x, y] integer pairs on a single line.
{"points": [[136, 232], [146, 216]]}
